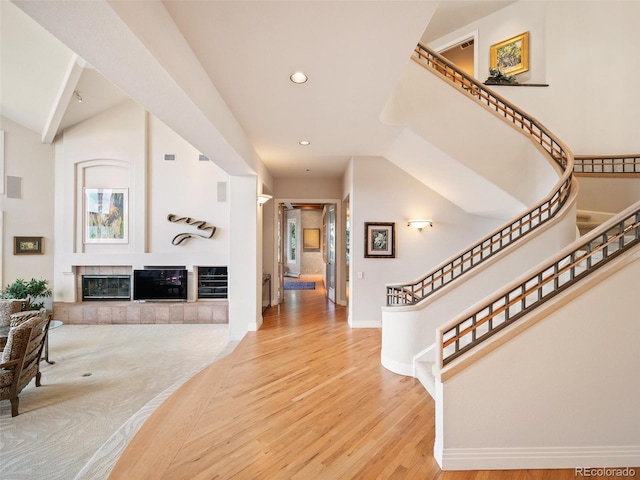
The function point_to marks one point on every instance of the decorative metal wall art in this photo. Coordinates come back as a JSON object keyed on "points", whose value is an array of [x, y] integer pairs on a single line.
{"points": [[199, 224]]}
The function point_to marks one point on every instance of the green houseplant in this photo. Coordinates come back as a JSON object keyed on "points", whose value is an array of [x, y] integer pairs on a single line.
{"points": [[34, 289]]}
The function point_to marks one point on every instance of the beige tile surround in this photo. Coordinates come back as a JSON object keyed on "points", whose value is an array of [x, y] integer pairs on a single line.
{"points": [[99, 313], [129, 312]]}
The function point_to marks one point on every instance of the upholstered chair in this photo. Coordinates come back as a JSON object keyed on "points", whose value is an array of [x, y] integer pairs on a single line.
{"points": [[10, 306], [7, 308], [20, 360]]}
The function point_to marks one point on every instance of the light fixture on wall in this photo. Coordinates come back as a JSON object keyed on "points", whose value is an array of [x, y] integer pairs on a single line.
{"points": [[419, 224], [264, 198]]}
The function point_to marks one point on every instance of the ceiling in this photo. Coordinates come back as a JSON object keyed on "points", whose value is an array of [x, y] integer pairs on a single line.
{"points": [[353, 53]]}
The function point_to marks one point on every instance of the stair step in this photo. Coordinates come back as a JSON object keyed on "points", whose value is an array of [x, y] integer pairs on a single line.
{"points": [[424, 373]]}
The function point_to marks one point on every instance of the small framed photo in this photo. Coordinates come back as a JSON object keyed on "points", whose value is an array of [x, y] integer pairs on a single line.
{"points": [[379, 240], [106, 215], [512, 55], [27, 245]]}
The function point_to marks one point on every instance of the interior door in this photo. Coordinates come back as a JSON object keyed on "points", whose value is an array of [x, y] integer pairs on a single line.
{"points": [[293, 243], [329, 227], [280, 253]]}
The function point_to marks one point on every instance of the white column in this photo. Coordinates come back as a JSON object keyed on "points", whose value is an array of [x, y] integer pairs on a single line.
{"points": [[244, 277]]}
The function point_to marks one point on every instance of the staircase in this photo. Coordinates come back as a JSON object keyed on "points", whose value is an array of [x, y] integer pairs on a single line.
{"points": [[507, 396], [415, 309], [575, 262], [523, 362]]}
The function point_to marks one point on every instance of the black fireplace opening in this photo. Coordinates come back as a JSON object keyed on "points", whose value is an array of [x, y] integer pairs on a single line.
{"points": [[106, 287]]}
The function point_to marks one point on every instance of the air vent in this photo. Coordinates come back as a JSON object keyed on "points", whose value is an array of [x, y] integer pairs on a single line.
{"points": [[466, 44], [169, 157]]}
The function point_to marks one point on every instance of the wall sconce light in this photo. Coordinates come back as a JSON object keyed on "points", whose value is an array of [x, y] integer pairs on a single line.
{"points": [[264, 198], [419, 224]]}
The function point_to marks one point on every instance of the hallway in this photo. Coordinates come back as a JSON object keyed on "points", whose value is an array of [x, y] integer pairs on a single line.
{"points": [[305, 397]]}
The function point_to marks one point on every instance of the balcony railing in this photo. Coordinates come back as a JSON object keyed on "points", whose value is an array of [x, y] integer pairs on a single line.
{"points": [[612, 166], [454, 268], [595, 250]]}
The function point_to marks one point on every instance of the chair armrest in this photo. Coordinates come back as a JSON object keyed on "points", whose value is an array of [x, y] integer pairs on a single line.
{"points": [[10, 364]]}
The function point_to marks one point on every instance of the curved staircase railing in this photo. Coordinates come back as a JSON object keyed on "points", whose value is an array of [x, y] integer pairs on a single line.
{"points": [[595, 250], [609, 166], [452, 269]]}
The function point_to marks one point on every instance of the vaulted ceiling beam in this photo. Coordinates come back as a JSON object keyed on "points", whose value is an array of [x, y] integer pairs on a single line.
{"points": [[65, 93]]}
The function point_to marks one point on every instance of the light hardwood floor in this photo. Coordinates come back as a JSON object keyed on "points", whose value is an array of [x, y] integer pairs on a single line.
{"points": [[305, 398]]}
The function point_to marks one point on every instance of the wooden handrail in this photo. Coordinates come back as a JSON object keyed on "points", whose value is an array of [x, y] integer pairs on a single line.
{"points": [[591, 252], [607, 166], [400, 294]]}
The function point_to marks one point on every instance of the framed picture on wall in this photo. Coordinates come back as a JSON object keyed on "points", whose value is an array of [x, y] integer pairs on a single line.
{"points": [[106, 218], [379, 240], [512, 55], [311, 239], [27, 245]]}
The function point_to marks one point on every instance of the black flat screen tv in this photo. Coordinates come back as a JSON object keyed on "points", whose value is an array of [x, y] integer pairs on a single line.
{"points": [[160, 285]]}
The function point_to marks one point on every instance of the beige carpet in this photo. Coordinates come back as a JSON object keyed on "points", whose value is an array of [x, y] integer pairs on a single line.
{"points": [[106, 380]]}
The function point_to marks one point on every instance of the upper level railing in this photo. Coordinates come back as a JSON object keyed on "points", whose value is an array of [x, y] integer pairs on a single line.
{"points": [[574, 263], [414, 292], [612, 166]]}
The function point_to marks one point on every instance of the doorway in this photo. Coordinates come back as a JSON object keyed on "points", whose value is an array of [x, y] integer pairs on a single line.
{"points": [[306, 246], [463, 53]]}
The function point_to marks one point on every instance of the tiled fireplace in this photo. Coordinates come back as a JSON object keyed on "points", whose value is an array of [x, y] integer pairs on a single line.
{"points": [[112, 310]]}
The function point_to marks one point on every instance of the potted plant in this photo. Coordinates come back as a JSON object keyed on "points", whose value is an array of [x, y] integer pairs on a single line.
{"points": [[34, 289]]}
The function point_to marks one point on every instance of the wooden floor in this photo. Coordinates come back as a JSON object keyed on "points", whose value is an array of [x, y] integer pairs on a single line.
{"points": [[304, 398]]}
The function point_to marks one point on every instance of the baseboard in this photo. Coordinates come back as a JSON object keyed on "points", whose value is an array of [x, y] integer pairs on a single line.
{"points": [[366, 324], [538, 458], [255, 326], [405, 369]]}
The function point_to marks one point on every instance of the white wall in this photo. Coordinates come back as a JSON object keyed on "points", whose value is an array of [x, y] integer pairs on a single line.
{"points": [[517, 18], [408, 331], [124, 147], [382, 192], [607, 194], [307, 188], [561, 394], [472, 149], [185, 187], [586, 52], [25, 156]]}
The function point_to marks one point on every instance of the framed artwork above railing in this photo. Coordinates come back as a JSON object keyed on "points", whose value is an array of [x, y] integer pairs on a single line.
{"points": [[512, 55]]}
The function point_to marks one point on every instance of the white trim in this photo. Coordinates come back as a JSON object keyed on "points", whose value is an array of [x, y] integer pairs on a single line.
{"points": [[394, 366], [536, 457]]}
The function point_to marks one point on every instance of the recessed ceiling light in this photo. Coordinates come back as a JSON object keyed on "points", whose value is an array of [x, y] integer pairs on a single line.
{"points": [[298, 77], [304, 143]]}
